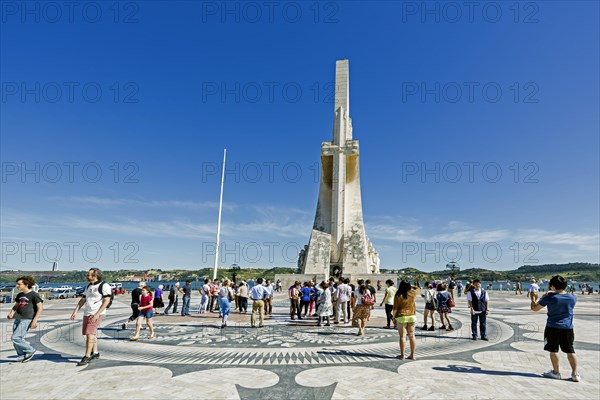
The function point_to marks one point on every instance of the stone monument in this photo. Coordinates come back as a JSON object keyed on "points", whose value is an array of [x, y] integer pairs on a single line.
{"points": [[338, 243]]}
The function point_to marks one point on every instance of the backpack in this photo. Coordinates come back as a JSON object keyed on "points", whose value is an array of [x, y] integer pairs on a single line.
{"points": [[112, 294], [367, 300]]}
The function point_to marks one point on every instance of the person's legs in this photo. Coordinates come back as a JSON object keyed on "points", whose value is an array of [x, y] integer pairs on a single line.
{"points": [[138, 326], [388, 314], [20, 328], [555, 361], [185, 309], [482, 325], [253, 316], [360, 323], [175, 304], [270, 305], [448, 320], [401, 334], [169, 306], [150, 327], [225, 305], [474, 318], [432, 316], [573, 362], [261, 312], [410, 329], [344, 310]]}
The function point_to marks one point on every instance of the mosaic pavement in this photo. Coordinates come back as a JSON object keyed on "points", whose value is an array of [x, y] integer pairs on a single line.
{"points": [[193, 358]]}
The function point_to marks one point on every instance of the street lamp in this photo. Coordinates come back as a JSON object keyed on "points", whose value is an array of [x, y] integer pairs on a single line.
{"points": [[235, 268], [453, 267]]}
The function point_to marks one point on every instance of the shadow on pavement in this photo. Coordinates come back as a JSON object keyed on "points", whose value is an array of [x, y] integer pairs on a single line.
{"points": [[477, 370]]}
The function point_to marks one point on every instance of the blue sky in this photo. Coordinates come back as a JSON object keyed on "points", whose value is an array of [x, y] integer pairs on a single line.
{"points": [[478, 128]]}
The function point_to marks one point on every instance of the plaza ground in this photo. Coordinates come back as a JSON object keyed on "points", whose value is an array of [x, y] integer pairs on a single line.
{"points": [[193, 358]]}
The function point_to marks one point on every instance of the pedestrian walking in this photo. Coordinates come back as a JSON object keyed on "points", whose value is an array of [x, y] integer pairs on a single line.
{"points": [[225, 298], [26, 313], [135, 304], [173, 298], [95, 300], [146, 313]]}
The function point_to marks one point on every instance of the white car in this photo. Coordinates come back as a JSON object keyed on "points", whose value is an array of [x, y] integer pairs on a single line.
{"points": [[61, 288], [62, 294]]}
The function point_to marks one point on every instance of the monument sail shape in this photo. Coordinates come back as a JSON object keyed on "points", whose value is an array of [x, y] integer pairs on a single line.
{"points": [[338, 243]]}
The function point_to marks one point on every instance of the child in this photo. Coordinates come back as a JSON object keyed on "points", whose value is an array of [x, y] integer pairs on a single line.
{"points": [[26, 312], [145, 312]]}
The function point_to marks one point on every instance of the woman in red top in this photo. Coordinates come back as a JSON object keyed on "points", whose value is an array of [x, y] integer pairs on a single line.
{"points": [[145, 312]]}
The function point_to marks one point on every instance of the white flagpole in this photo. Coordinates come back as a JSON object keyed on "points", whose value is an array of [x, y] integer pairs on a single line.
{"points": [[220, 209]]}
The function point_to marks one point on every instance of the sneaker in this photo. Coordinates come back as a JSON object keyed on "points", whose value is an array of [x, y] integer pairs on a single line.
{"points": [[431, 328], [84, 361], [484, 338], [94, 356], [20, 359], [575, 378], [474, 338], [450, 328], [124, 326], [424, 328], [28, 356], [550, 374], [443, 327]]}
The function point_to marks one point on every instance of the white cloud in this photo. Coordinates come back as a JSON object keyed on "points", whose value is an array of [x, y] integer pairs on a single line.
{"points": [[93, 201]]}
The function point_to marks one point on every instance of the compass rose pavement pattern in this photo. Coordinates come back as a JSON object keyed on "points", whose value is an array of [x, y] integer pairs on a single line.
{"points": [[192, 357]]}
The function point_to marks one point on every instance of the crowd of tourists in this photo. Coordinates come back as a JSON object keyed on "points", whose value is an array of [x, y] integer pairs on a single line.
{"points": [[340, 302]]}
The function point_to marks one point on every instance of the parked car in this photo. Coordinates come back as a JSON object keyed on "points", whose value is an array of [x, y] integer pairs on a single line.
{"points": [[79, 291], [62, 294], [64, 287]]}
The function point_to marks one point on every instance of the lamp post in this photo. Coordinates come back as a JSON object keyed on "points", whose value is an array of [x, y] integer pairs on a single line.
{"points": [[453, 267], [235, 268]]}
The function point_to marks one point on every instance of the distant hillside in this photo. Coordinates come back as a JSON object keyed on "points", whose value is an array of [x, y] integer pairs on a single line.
{"points": [[128, 275], [580, 272]]}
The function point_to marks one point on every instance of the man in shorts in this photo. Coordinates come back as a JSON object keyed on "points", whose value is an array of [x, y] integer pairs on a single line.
{"points": [[94, 305], [559, 326]]}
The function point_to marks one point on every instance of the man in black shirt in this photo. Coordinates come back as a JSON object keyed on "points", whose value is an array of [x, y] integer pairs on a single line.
{"points": [[187, 296], [26, 312], [135, 304]]}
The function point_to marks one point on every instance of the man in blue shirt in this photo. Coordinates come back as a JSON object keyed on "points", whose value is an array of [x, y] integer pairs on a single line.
{"points": [[559, 326]]}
